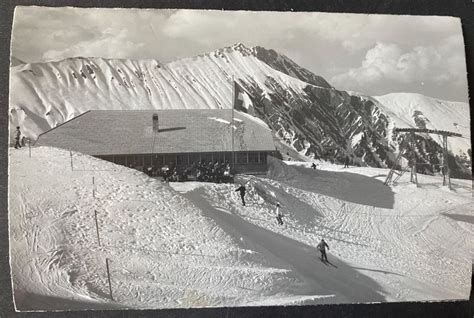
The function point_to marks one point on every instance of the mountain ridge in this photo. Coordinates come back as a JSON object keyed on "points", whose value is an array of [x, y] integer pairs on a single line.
{"points": [[303, 109]]}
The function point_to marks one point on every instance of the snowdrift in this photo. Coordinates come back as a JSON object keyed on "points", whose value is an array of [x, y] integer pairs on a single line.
{"points": [[163, 252], [193, 244]]}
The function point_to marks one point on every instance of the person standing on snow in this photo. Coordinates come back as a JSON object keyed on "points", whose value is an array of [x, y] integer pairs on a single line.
{"points": [[346, 162], [322, 248], [242, 193], [313, 166], [278, 213], [17, 137]]}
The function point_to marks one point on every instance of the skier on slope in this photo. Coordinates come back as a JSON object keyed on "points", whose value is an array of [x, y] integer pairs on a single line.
{"points": [[242, 193], [313, 166], [278, 213], [322, 248]]}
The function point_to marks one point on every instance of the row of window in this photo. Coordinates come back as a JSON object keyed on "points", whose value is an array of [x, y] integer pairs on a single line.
{"points": [[187, 159]]}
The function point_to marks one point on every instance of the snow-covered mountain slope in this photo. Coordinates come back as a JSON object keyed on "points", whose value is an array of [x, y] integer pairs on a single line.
{"points": [[304, 111], [409, 110], [47, 94], [194, 244]]}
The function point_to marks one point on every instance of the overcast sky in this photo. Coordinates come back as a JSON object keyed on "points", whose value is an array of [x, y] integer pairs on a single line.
{"points": [[371, 54]]}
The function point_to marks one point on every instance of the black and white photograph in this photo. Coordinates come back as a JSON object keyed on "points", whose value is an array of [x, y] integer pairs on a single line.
{"points": [[178, 158]]}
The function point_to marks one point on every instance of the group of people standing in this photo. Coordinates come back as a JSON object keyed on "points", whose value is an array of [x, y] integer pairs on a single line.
{"points": [[218, 172], [203, 171]]}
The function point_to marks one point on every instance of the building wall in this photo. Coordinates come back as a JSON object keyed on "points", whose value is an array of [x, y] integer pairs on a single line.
{"points": [[244, 162], [251, 168]]}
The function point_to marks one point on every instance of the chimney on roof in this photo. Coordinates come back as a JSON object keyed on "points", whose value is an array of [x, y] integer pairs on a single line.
{"points": [[155, 123]]}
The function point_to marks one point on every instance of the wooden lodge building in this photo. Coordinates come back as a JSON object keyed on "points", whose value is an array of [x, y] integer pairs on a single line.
{"points": [[154, 138]]}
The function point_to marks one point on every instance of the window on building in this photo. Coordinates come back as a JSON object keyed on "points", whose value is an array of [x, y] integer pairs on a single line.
{"points": [[194, 158], [253, 157], [157, 161], [228, 156], [135, 161], [147, 161], [170, 160], [217, 156], [119, 160], [241, 157], [206, 157]]}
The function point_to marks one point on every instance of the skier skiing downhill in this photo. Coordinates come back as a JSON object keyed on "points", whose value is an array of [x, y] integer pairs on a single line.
{"points": [[242, 193], [322, 248], [278, 213]]}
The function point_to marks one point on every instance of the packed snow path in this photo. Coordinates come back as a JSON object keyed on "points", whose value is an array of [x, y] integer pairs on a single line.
{"points": [[194, 245], [346, 284], [405, 238]]}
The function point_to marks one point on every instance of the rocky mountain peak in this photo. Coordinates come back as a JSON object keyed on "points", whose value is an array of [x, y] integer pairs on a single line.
{"points": [[285, 65]]}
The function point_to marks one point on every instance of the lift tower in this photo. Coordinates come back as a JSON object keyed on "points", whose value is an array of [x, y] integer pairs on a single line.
{"points": [[411, 154]]}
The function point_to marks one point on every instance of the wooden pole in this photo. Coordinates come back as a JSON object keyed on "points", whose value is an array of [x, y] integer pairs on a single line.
{"points": [[445, 161], [97, 226], [232, 123], [70, 153], [413, 147], [411, 164], [93, 187], [29, 147], [108, 277]]}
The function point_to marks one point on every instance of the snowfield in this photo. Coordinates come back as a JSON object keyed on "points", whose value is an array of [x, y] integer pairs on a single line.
{"points": [[194, 244], [401, 109]]}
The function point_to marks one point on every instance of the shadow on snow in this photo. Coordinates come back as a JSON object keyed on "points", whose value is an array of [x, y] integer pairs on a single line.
{"points": [[35, 302], [348, 285], [461, 217], [346, 186]]}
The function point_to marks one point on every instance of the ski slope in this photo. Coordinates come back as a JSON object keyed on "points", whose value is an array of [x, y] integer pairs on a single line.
{"points": [[193, 244]]}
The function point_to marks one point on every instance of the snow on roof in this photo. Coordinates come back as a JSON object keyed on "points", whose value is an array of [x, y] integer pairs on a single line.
{"points": [[114, 132], [220, 120], [256, 120]]}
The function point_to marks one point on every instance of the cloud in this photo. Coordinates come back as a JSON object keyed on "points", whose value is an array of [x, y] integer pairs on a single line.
{"points": [[390, 64], [187, 32], [369, 53], [69, 32], [101, 45]]}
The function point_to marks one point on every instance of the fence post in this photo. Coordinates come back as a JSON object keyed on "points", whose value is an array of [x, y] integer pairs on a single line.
{"points": [[97, 226], [108, 277], [70, 153]]}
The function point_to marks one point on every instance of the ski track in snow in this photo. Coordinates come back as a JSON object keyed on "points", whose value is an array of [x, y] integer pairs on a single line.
{"points": [[194, 245]]}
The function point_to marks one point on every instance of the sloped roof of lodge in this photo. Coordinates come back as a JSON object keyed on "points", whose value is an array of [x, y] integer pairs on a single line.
{"points": [[118, 132]]}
